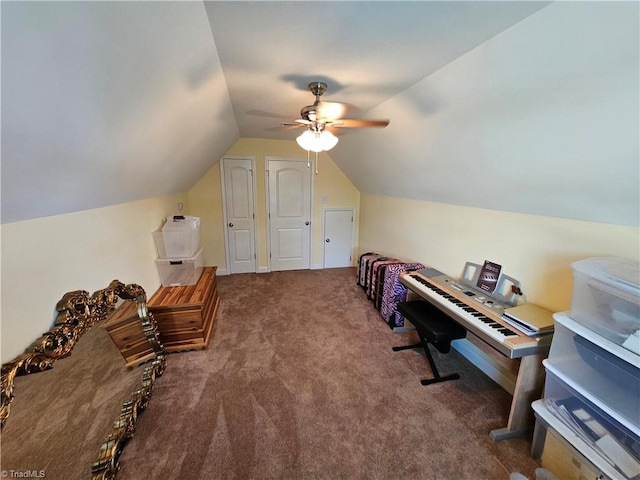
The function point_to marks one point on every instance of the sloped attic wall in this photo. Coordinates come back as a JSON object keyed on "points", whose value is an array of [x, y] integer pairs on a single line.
{"points": [[107, 102], [542, 119]]}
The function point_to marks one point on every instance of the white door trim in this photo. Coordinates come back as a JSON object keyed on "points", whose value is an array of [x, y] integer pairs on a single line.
{"points": [[311, 164], [224, 208]]}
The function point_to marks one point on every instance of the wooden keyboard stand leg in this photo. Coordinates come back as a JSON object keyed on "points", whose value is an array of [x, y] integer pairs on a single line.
{"points": [[528, 388]]}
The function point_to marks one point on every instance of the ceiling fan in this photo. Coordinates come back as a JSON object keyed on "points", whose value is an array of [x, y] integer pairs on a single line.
{"points": [[321, 119], [323, 114]]}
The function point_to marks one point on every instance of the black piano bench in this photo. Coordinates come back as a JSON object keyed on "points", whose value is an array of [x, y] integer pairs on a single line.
{"points": [[435, 327]]}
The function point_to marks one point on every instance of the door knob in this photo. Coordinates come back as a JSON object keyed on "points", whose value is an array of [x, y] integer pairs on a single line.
{"points": [[230, 224], [327, 240], [306, 223]]}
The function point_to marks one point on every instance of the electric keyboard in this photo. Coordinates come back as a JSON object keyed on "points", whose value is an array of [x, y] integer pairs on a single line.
{"points": [[475, 311]]}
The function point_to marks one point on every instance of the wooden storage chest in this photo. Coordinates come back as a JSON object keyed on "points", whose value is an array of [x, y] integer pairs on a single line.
{"points": [[125, 329], [184, 315]]}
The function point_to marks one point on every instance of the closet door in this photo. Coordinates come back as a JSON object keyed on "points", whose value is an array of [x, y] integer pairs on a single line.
{"points": [[338, 238], [289, 214], [240, 217]]}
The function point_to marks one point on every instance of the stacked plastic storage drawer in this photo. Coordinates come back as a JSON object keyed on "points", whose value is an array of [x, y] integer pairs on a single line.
{"points": [[179, 259], [591, 402]]}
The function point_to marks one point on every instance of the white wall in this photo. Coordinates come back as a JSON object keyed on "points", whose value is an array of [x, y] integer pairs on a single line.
{"points": [[542, 119], [534, 249], [42, 259]]}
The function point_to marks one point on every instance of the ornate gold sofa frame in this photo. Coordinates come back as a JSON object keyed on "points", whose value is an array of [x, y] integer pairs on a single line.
{"points": [[77, 313]]}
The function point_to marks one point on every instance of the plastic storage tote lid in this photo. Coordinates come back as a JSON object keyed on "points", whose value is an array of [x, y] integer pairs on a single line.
{"points": [[181, 222], [618, 272]]}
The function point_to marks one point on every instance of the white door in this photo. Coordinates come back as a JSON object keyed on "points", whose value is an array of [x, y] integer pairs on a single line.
{"points": [[240, 217], [289, 214], [338, 238]]}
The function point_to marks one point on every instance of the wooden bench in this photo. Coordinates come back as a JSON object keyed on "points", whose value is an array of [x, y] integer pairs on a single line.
{"points": [[435, 327]]}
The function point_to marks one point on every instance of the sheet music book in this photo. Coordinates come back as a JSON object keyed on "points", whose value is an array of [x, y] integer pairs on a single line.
{"points": [[488, 278], [530, 319]]}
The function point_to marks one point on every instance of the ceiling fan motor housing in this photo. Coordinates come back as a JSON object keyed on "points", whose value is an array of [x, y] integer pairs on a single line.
{"points": [[308, 113]]}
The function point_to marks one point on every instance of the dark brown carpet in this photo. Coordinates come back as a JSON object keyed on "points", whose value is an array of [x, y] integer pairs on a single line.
{"points": [[299, 382]]}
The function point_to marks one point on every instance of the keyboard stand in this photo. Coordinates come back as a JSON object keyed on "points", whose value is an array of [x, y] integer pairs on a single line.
{"points": [[436, 375]]}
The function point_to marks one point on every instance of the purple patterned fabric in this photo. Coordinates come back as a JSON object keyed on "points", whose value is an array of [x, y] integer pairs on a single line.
{"points": [[368, 268], [394, 292], [371, 289], [377, 293]]}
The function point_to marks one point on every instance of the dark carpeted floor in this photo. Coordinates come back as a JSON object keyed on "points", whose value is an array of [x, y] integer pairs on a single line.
{"points": [[299, 382]]}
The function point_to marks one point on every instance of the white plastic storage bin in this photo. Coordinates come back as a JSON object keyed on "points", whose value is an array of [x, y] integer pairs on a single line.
{"points": [[179, 237], [606, 298], [175, 272], [602, 372], [560, 456], [565, 453], [588, 422]]}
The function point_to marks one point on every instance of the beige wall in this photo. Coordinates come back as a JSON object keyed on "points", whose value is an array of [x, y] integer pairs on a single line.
{"points": [[536, 250], [44, 258], [205, 199]]}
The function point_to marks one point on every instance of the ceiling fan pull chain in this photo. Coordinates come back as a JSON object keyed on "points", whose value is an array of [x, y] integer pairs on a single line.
{"points": [[316, 163]]}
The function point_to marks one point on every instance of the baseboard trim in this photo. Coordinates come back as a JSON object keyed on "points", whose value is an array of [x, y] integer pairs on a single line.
{"points": [[223, 271], [316, 266]]}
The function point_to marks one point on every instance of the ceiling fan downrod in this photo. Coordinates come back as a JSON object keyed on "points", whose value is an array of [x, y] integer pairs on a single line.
{"points": [[318, 89]]}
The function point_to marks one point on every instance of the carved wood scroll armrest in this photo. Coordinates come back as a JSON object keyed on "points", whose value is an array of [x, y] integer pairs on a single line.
{"points": [[77, 312]]}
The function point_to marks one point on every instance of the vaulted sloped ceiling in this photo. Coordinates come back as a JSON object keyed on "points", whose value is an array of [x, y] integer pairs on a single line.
{"points": [[520, 106], [107, 102]]}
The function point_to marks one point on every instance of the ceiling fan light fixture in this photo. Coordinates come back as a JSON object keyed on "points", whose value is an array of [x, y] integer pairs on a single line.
{"points": [[317, 141], [328, 139], [306, 140]]}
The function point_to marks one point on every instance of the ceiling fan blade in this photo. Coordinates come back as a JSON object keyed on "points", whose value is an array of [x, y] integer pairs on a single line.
{"points": [[334, 110], [285, 126], [336, 131], [356, 123]]}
